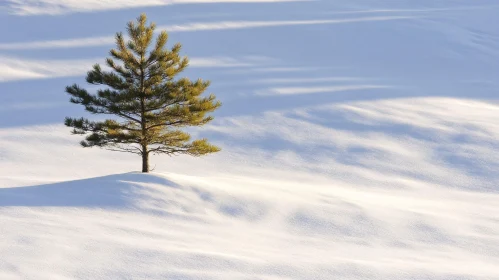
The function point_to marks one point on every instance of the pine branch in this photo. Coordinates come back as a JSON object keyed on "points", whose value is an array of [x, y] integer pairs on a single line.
{"points": [[125, 150]]}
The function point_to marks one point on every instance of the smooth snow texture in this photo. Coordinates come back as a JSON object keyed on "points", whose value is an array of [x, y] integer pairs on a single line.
{"points": [[118, 224], [55, 7], [359, 141], [190, 27], [12, 69]]}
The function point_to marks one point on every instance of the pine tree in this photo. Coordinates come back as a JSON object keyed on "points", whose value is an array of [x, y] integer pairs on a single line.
{"points": [[150, 103]]}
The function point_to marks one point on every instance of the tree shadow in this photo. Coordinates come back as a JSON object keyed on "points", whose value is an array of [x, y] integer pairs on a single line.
{"points": [[384, 46], [389, 143], [110, 192]]}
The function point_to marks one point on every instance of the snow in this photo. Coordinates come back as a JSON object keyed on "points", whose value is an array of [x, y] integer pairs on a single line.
{"points": [[359, 142], [137, 226]]}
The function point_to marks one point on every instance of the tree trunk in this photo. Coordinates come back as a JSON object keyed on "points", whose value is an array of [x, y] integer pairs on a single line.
{"points": [[145, 161]]}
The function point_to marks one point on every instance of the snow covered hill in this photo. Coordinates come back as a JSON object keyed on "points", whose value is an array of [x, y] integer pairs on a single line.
{"points": [[136, 226], [360, 141]]}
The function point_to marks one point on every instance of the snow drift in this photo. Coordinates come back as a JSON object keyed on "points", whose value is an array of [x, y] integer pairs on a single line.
{"points": [[359, 142], [136, 226]]}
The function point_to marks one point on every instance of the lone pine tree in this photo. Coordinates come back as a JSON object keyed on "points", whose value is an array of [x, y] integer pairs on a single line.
{"points": [[150, 104]]}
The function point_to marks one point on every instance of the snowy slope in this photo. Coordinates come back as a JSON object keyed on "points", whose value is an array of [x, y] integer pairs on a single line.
{"points": [[135, 226], [359, 141]]}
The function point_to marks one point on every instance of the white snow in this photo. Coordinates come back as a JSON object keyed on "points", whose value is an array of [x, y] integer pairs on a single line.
{"points": [[360, 141], [55, 7]]}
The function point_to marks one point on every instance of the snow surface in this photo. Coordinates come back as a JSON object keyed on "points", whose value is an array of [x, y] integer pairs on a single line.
{"points": [[360, 141]]}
